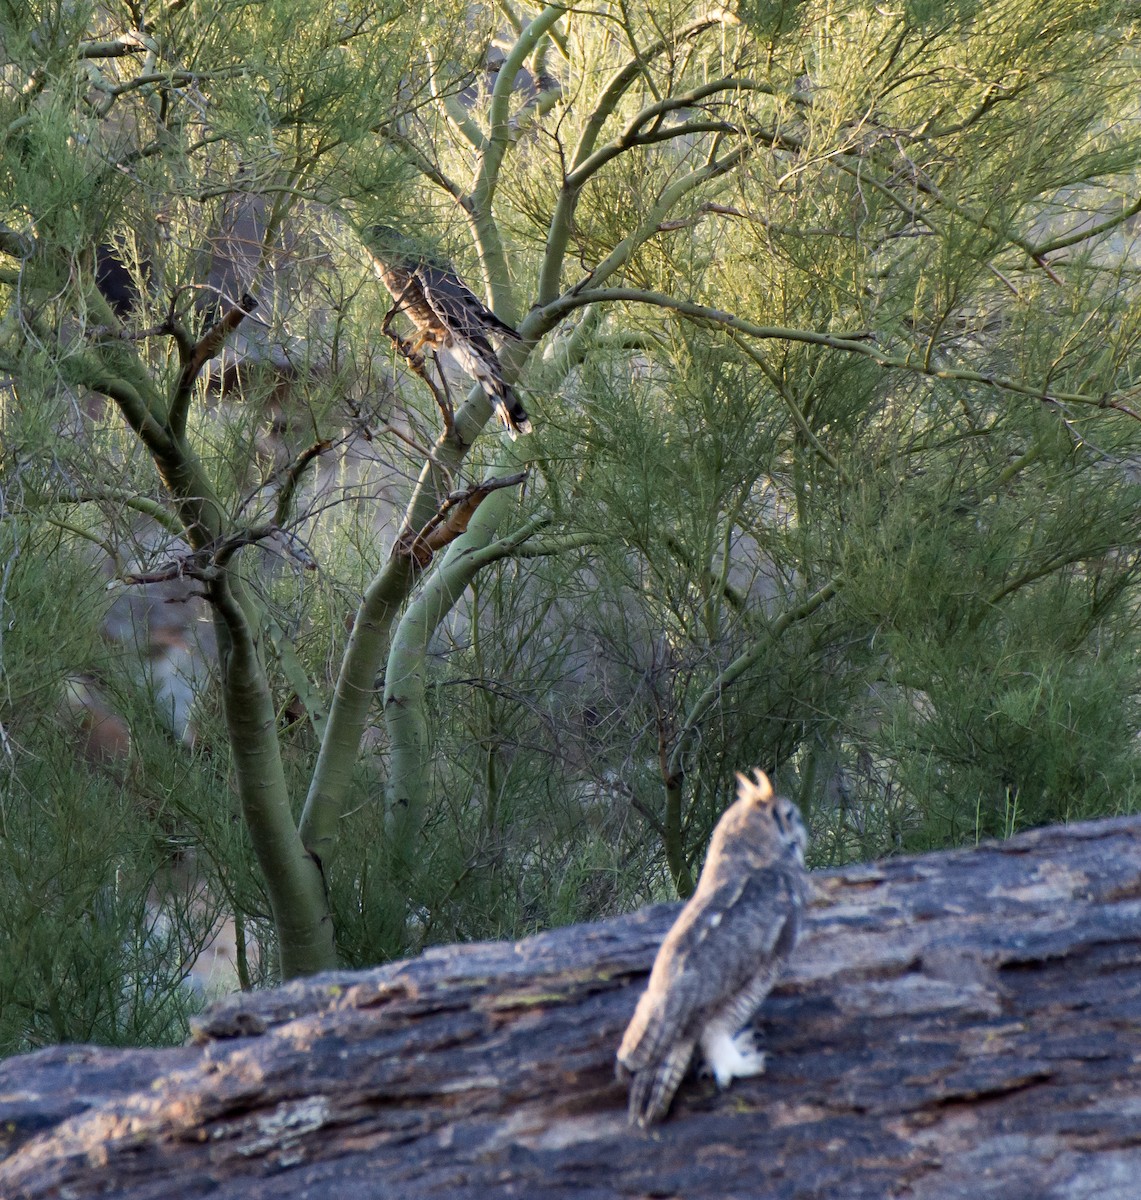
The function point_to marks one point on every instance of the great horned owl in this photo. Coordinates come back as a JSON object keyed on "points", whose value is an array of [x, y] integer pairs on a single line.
{"points": [[448, 316], [723, 953]]}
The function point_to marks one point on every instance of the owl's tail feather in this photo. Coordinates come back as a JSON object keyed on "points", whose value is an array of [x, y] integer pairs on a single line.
{"points": [[652, 1090]]}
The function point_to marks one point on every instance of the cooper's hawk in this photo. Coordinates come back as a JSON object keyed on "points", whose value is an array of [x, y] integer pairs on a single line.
{"points": [[722, 955], [448, 316]]}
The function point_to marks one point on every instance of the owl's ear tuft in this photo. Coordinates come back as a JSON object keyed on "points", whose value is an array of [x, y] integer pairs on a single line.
{"points": [[757, 790]]}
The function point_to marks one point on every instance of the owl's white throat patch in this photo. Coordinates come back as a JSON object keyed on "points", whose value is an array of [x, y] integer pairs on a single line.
{"points": [[731, 1055]]}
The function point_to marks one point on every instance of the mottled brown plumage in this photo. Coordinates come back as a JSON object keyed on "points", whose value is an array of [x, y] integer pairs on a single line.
{"points": [[448, 316], [722, 955]]}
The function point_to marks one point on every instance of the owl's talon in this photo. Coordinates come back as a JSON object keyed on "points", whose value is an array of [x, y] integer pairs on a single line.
{"points": [[752, 1056], [746, 1040], [731, 1056]]}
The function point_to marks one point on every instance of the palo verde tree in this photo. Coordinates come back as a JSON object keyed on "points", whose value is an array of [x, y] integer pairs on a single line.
{"points": [[821, 285], [828, 322]]}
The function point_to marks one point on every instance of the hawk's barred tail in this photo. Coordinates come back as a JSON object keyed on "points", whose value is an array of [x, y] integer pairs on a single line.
{"points": [[512, 413], [477, 358]]}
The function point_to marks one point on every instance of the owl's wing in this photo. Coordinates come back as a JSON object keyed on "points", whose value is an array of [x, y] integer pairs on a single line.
{"points": [[716, 947]]}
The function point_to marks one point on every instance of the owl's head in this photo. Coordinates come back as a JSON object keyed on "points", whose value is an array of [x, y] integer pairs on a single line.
{"points": [[785, 816]]}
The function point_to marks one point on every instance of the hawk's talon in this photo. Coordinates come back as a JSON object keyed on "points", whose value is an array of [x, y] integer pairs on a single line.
{"points": [[412, 357]]}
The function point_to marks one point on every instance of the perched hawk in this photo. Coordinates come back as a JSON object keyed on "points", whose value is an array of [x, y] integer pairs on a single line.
{"points": [[448, 316], [722, 955]]}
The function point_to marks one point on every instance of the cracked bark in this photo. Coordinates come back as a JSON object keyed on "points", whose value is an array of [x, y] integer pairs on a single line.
{"points": [[951, 1026]]}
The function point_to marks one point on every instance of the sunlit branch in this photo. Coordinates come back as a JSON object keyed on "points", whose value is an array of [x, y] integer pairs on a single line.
{"points": [[550, 314], [559, 229], [1085, 235], [669, 198], [453, 110], [156, 511], [430, 170], [629, 140], [129, 43], [622, 80], [499, 135]]}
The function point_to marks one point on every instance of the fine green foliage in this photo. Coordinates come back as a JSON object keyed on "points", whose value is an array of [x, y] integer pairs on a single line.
{"points": [[85, 847], [829, 320]]}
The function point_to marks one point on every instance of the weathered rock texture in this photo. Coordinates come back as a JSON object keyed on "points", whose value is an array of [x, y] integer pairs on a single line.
{"points": [[957, 1025]]}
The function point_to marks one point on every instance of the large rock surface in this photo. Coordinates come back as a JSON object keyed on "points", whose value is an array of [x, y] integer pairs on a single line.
{"points": [[959, 1025]]}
